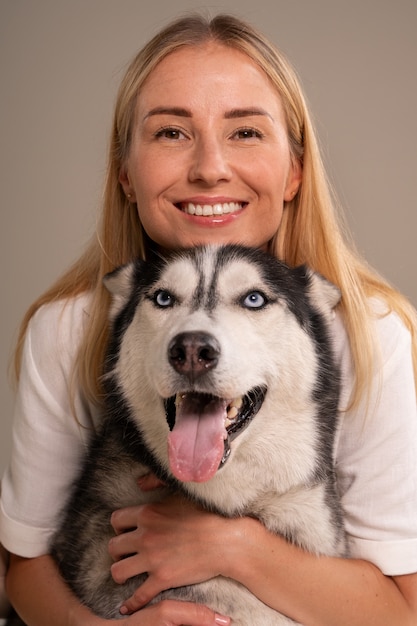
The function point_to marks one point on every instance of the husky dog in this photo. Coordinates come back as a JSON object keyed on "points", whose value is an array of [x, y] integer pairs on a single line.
{"points": [[221, 381]]}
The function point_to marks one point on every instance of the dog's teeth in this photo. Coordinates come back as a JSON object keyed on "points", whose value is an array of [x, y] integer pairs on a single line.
{"points": [[232, 413], [179, 398], [228, 422], [237, 402], [233, 410]]}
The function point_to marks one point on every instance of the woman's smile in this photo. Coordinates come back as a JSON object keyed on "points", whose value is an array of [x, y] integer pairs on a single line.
{"points": [[207, 208]]}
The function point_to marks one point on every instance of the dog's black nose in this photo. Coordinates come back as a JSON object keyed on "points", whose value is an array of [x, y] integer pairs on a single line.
{"points": [[193, 354]]}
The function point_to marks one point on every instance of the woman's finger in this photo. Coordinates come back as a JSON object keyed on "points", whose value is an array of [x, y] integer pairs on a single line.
{"points": [[177, 613], [122, 545], [146, 592], [125, 519], [122, 570]]}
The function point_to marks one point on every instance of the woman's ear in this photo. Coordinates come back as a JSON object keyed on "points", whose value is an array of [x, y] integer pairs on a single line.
{"points": [[125, 183], [295, 177]]}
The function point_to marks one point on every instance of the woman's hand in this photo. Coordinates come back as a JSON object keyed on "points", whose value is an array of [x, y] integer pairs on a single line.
{"points": [[175, 542], [175, 613], [42, 597]]}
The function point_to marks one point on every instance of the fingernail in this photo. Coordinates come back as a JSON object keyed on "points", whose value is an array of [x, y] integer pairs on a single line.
{"points": [[221, 620], [123, 610]]}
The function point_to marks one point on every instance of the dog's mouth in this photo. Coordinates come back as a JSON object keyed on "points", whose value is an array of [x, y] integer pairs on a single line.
{"points": [[202, 428]]}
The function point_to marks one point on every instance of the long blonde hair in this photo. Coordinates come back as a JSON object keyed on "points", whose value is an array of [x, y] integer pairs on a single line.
{"points": [[311, 230]]}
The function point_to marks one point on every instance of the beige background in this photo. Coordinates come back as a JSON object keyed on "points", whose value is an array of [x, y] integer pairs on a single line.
{"points": [[61, 62]]}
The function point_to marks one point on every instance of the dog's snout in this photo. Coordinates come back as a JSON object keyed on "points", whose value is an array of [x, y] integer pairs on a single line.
{"points": [[193, 353]]}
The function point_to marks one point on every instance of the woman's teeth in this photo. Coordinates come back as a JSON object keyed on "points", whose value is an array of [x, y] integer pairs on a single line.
{"points": [[211, 209]]}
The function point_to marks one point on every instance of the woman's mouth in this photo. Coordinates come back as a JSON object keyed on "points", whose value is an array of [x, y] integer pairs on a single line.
{"points": [[207, 210]]}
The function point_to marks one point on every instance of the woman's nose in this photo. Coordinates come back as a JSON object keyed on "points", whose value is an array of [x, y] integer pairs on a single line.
{"points": [[209, 162]]}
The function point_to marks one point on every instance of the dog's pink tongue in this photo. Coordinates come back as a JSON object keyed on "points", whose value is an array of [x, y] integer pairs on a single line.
{"points": [[196, 444]]}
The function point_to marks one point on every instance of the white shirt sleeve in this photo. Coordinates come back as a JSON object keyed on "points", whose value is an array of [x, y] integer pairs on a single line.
{"points": [[376, 455], [48, 441]]}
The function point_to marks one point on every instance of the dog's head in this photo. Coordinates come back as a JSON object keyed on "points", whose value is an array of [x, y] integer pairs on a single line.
{"points": [[201, 342]]}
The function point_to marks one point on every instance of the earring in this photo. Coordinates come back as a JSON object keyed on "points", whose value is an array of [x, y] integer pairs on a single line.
{"points": [[128, 195]]}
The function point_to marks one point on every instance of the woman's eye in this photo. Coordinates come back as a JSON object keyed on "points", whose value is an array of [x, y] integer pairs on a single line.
{"points": [[163, 299], [248, 133], [254, 300], [169, 133]]}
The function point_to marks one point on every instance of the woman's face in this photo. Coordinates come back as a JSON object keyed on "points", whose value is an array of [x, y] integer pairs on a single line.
{"points": [[209, 160]]}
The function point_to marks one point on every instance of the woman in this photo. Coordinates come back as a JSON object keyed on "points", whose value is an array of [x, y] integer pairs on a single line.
{"points": [[212, 142]]}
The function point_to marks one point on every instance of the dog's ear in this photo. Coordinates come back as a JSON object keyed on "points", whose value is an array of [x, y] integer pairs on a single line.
{"points": [[323, 295], [119, 284]]}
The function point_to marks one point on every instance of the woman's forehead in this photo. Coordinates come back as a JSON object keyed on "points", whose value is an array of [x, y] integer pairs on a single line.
{"points": [[208, 76]]}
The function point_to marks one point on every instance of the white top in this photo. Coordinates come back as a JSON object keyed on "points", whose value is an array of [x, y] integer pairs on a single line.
{"points": [[376, 453]]}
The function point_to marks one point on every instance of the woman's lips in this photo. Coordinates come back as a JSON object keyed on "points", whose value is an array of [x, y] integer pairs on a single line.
{"points": [[210, 209]]}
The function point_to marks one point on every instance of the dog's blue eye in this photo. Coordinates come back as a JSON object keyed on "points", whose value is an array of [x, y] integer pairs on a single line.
{"points": [[163, 298], [254, 300]]}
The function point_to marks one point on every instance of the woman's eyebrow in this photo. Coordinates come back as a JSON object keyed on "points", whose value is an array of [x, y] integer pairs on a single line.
{"points": [[246, 112], [177, 111], [229, 115]]}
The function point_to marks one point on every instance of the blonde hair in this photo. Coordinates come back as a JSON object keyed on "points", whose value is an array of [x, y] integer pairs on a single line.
{"points": [[311, 230]]}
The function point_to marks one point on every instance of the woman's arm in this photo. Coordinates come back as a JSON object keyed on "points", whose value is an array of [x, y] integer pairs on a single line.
{"points": [[42, 598], [321, 591], [315, 591]]}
